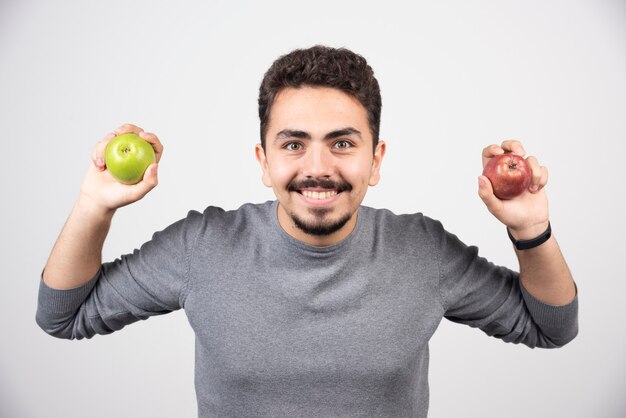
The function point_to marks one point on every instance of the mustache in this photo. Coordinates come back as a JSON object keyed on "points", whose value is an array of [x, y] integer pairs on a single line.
{"points": [[323, 183]]}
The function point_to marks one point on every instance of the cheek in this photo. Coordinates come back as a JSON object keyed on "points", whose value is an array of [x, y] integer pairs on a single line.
{"points": [[281, 175], [358, 174]]}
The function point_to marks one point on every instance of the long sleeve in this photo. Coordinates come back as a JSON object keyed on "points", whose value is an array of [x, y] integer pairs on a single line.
{"points": [[150, 281], [478, 293]]}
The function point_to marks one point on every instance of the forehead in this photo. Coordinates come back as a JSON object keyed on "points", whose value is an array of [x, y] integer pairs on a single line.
{"points": [[316, 109]]}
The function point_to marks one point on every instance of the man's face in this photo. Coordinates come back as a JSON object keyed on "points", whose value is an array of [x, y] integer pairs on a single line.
{"points": [[318, 160]]}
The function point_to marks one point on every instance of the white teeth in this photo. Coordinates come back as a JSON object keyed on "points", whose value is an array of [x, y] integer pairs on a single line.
{"points": [[319, 195]]}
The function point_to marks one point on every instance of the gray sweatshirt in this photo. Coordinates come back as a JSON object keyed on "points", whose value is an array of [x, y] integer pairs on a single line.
{"points": [[285, 329]]}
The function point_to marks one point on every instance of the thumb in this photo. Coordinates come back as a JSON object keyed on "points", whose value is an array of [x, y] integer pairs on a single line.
{"points": [[149, 182], [151, 176], [485, 191]]}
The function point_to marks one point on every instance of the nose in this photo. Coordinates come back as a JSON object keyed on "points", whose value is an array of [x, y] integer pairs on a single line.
{"points": [[317, 162]]}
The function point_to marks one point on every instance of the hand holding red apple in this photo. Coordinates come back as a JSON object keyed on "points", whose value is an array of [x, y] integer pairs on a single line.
{"points": [[522, 204], [101, 190], [509, 175]]}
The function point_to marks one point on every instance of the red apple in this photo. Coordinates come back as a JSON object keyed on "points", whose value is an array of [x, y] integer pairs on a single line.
{"points": [[509, 175]]}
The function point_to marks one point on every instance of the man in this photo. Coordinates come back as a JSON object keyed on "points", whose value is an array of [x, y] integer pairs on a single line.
{"points": [[311, 305]]}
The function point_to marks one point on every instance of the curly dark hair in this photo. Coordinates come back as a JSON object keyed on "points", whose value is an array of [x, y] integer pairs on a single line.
{"points": [[322, 66]]}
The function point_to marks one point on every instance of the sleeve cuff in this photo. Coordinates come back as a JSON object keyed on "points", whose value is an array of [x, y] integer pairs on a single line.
{"points": [[558, 321], [64, 300]]}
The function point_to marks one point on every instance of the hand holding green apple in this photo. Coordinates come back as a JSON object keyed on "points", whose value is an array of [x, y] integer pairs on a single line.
{"points": [[128, 156], [124, 169]]}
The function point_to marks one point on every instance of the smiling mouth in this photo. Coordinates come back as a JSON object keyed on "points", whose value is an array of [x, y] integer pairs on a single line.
{"points": [[318, 189], [323, 195]]}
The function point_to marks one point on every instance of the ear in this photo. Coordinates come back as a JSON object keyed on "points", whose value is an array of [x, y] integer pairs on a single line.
{"points": [[259, 153], [379, 153]]}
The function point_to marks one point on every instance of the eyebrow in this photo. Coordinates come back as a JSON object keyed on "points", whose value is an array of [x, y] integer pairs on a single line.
{"points": [[295, 133]]}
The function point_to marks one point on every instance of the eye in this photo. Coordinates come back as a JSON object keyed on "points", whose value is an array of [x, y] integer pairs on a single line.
{"points": [[293, 146], [343, 144]]}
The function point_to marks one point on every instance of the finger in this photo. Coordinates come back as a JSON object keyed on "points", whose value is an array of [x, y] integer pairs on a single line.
{"points": [[491, 151], [514, 146], [485, 191], [97, 157], [151, 176], [127, 128], [156, 143], [149, 182], [539, 175]]}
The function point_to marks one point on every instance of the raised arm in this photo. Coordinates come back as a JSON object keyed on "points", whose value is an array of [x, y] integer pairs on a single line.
{"points": [[543, 271], [77, 254]]}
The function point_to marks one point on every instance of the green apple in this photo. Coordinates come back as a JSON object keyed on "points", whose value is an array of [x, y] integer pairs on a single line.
{"points": [[127, 156]]}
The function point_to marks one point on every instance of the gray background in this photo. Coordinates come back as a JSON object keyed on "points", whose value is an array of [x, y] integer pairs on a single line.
{"points": [[455, 76]]}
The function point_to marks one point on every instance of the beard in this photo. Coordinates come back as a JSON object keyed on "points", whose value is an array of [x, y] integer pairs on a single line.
{"points": [[319, 226]]}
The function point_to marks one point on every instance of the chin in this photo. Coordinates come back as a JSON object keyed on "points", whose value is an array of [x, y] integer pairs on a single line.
{"points": [[318, 226]]}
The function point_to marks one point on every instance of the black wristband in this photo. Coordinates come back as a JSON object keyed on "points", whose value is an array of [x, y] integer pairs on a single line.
{"points": [[531, 243]]}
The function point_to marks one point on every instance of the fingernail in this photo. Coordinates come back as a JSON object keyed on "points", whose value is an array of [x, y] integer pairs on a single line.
{"points": [[534, 188]]}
